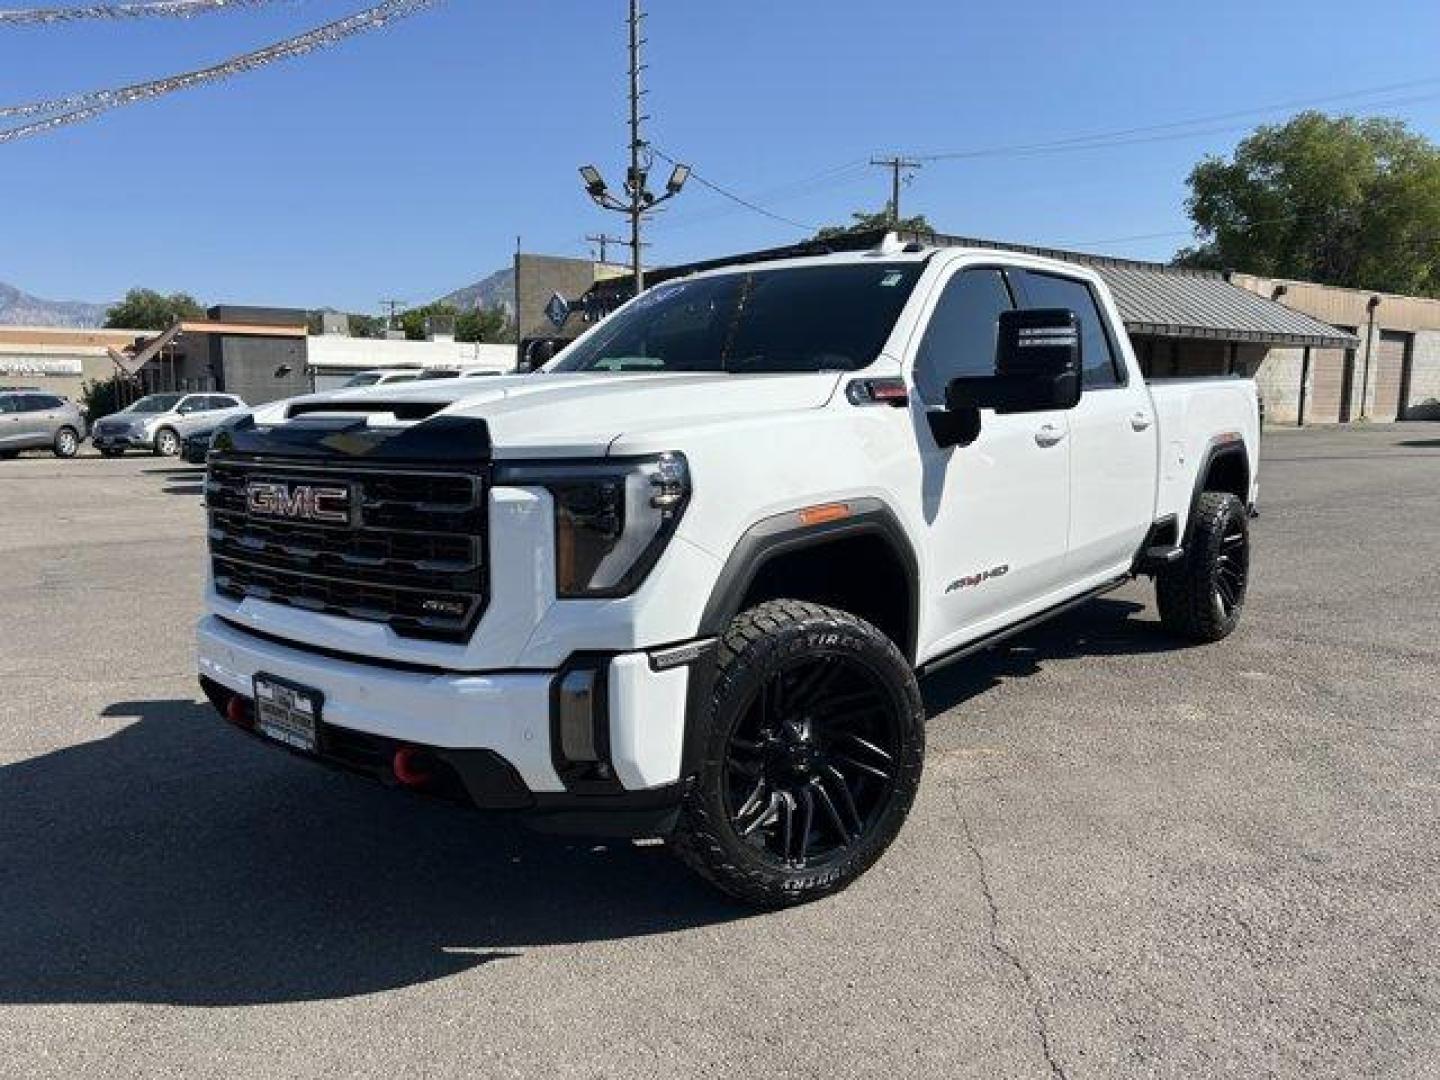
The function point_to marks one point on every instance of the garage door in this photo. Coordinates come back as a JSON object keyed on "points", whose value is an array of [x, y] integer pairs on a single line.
{"points": [[1328, 368], [1390, 360]]}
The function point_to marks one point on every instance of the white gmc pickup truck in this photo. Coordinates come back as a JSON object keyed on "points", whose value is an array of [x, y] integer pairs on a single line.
{"points": [[682, 582]]}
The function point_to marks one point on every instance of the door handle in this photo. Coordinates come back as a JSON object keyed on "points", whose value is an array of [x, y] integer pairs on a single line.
{"points": [[1140, 421], [1049, 435]]}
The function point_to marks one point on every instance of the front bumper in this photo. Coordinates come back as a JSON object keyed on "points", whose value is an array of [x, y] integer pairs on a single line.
{"points": [[494, 735], [125, 441]]}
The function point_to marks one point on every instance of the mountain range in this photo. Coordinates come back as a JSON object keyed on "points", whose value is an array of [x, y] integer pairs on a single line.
{"points": [[495, 291], [19, 308]]}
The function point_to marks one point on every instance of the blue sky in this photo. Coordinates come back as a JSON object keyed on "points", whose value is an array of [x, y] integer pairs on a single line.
{"points": [[404, 164]]}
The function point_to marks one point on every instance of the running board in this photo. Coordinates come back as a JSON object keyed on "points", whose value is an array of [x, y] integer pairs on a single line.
{"points": [[997, 636]]}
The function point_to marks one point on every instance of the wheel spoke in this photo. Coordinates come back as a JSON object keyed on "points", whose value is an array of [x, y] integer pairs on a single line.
{"points": [[807, 823], [830, 810], [863, 766], [787, 822], [868, 746], [752, 803], [846, 800], [764, 817], [809, 687]]}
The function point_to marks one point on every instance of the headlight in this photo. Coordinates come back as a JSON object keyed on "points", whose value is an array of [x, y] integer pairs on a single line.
{"points": [[612, 518]]}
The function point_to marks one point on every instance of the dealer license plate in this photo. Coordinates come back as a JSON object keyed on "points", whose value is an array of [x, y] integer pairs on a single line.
{"points": [[286, 712]]}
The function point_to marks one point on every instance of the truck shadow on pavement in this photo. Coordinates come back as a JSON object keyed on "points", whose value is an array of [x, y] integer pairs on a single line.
{"points": [[1102, 627], [179, 862]]}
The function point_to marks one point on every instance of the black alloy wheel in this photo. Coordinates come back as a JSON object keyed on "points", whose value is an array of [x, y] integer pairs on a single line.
{"points": [[811, 755], [1232, 569], [812, 763], [1201, 596]]}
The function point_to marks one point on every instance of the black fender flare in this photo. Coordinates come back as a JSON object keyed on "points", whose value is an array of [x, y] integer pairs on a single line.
{"points": [[784, 533], [1230, 444], [765, 540]]}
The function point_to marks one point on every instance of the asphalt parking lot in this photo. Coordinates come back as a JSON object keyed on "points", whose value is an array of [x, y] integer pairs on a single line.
{"points": [[1127, 859]]}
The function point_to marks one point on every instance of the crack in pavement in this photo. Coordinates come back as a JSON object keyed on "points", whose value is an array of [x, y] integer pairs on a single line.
{"points": [[1037, 1006]]}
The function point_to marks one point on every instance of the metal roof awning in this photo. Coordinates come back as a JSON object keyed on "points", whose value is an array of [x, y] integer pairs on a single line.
{"points": [[1154, 299], [1168, 301]]}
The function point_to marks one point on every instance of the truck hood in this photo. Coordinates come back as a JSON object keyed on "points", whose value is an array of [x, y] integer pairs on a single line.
{"points": [[583, 414]]}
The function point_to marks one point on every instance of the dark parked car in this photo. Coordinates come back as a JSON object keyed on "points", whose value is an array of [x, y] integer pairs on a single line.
{"points": [[195, 447]]}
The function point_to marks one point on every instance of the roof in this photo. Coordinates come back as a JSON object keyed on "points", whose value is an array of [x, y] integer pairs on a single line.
{"points": [[1154, 299], [1169, 301]]}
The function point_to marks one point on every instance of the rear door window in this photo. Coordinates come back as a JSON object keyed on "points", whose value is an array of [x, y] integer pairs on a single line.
{"points": [[1102, 367]]}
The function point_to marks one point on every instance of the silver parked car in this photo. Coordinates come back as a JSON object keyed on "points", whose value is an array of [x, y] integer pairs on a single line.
{"points": [[33, 419], [160, 422]]}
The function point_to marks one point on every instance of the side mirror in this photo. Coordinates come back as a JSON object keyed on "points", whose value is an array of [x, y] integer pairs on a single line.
{"points": [[1037, 366]]}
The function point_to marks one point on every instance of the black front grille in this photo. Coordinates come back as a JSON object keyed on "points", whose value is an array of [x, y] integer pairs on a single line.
{"points": [[412, 556]]}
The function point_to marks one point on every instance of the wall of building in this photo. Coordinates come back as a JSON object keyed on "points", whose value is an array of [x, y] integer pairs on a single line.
{"points": [[251, 367], [59, 360], [332, 351], [539, 277], [1374, 370]]}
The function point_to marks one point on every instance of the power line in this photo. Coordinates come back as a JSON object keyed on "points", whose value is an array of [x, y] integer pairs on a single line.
{"points": [[841, 175], [1125, 136], [79, 107], [741, 200], [155, 9]]}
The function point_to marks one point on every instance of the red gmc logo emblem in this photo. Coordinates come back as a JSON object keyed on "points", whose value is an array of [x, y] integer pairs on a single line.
{"points": [[298, 502]]}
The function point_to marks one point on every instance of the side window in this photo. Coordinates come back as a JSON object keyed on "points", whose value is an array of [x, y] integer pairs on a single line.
{"points": [[49, 401], [32, 403], [1102, 366], [960, 339]]}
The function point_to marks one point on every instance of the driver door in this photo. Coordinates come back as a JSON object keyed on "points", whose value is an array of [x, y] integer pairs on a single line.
{"points": [[998, 510]]}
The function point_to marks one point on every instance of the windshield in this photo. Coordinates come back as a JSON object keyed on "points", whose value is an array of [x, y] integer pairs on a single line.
{"points": [[812, 318], [363, 380], [156, 403]]}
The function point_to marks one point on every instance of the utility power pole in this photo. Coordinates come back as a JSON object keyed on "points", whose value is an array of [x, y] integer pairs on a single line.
{"points": [[639, 200], [604, 242], [392, 306], [898, 166]]}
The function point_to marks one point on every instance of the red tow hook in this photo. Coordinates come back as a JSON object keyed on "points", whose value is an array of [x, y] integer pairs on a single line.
{"points": [[238, 711], [409, 767]]}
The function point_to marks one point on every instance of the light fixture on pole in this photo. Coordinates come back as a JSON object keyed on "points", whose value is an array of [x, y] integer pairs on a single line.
{"points": [[639, 199]]}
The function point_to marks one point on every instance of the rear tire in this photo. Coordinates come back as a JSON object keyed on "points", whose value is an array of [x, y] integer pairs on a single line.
{"points": [[1201, 597], [167, 443], [812, 756], [67, 443]]}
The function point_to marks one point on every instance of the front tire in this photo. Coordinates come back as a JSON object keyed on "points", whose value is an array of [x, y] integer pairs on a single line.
{"points": [[67, 443], [1201, 597], [811, 760], [167, 443]]}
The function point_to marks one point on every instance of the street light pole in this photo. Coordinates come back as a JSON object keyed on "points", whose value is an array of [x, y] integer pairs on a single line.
{"points": [[639, 200], [636, 186]]}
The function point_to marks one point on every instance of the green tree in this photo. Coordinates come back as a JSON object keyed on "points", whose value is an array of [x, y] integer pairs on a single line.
{"points": [[868, 221], [146, 309], [1342, 200], [485, 324], [478, 324]]}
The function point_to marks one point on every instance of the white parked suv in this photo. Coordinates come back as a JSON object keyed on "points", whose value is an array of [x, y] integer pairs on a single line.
{"points": [[160, 422], [681, 582]]}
